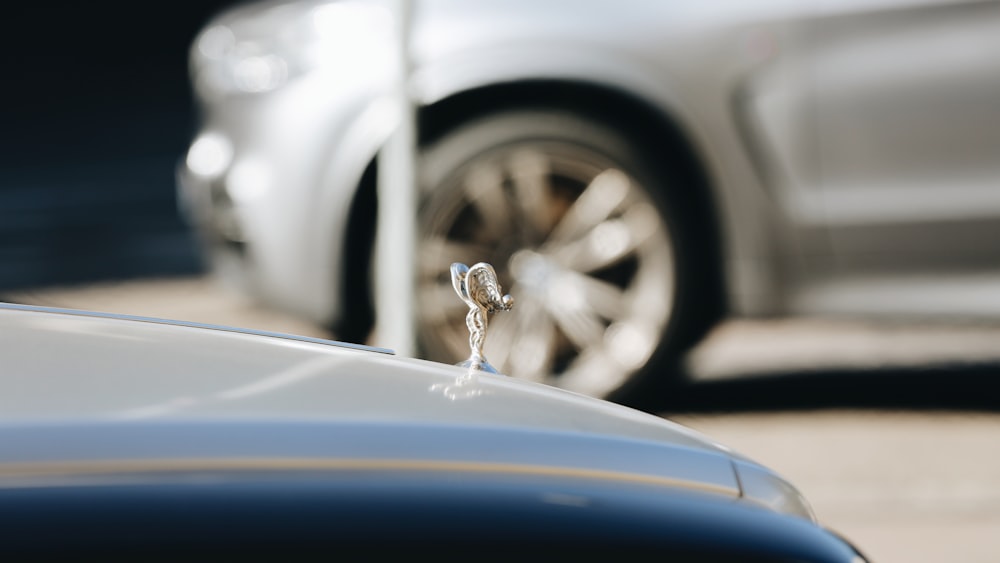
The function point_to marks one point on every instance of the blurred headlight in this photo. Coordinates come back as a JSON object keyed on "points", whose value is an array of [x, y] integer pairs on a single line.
{"points": [[209, 155], [257, 50]]}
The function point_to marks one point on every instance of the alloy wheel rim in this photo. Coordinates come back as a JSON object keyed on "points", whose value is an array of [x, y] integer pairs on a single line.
{"points": [[576, 241]]}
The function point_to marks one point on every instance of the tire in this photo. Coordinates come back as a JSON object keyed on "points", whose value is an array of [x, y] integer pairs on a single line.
{"points": [[579, 230]]}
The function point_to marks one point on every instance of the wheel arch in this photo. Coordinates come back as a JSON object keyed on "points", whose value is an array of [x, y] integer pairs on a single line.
{"points": [[648, 126]]}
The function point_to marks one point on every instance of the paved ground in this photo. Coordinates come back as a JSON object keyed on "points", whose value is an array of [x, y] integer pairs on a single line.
{"points": [[904, 486], [894, 436]]}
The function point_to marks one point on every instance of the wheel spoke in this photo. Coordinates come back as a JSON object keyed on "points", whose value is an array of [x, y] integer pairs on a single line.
{"points": [[581, 324], [605, 298], [500, 337], [438, 302], [589, 373], [596, 203], [530, 178], [534, 346], [438, 253], [484, 188], [609, 241]]}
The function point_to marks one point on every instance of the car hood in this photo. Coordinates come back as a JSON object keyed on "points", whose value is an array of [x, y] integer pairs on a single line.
{"points": [[62, 364], [97, 392]]}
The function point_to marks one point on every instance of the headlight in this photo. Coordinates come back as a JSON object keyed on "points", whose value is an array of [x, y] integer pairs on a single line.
{"points": [[257, 49], [209, 155]]}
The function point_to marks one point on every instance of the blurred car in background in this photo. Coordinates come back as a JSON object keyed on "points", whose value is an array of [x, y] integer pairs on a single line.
{"points": [[130, 438], [634, 170]]}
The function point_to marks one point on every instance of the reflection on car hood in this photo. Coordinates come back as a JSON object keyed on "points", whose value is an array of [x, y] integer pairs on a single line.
{"points": [[61, 365], [96, 394]]}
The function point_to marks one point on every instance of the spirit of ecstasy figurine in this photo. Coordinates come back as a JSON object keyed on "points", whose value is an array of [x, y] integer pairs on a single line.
{"points": [[479, 288]]}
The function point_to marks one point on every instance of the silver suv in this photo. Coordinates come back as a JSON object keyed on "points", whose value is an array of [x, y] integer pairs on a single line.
{"points": [[640, 167]]}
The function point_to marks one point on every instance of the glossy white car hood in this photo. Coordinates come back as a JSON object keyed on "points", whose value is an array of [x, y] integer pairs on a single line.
{"points": [[60, 365], [97, 392]]}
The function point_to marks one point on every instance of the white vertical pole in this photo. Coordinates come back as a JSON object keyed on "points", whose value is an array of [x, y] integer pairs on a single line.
{"points": [[396, 231]]}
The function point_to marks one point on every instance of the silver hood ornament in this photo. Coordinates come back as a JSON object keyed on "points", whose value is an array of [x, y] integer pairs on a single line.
{"points": [[479, 288]]}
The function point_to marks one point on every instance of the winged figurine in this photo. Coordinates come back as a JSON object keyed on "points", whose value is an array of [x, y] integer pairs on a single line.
{"points": [[479, 288]]}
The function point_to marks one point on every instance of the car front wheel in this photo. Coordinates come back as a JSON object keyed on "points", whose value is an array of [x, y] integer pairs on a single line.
{"points": [[579, 231]]}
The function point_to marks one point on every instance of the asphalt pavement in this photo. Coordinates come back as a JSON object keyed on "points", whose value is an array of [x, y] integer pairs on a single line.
{"points": [[889, 428]]}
